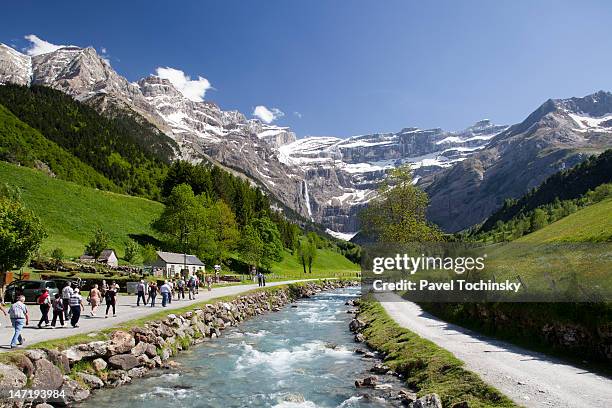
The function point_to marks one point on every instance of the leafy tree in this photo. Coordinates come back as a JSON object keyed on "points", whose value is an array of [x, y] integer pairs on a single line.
{"points": [[21, 234], [131, 250], [99, 242], [251, 246], [539, 219], [269, 235], [307, 251], [178, 220], [148, 253], [397, 215]]}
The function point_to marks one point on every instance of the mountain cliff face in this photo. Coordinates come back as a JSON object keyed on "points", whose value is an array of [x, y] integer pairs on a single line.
{"points": [[468, 173], [201, 129], [558, 135]]}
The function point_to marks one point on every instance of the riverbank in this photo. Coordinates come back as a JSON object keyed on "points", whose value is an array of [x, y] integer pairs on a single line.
{"points": [[113, 359], [426, 368]]}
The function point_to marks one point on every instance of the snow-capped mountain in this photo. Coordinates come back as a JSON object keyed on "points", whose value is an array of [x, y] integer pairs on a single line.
{"points": [[468, 173], [202, 129], [556, 136], [343, 174]]}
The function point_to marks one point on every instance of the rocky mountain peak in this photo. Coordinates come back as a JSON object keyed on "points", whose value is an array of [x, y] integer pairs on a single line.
{"points": [[15, 67]]}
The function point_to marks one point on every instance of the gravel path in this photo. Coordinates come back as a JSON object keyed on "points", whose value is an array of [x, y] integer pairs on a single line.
{"points": [[126, 310], [530, 379]]}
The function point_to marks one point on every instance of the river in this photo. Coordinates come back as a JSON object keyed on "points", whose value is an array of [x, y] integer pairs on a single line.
{"points": [[300, 357]]}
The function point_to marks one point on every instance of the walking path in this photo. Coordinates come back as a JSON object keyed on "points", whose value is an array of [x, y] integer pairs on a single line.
{"points": [[126, 310], [530, 379]]}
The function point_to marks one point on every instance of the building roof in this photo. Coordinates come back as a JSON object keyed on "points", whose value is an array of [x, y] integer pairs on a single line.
{"points": [[106, 254], [173, 258]]}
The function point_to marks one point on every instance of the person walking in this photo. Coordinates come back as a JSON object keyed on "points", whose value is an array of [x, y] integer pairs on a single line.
{"points": [[58, 310], [20, 317], [191, 285], [166, 293], [209, 282], [152, 293], [103, 289], [44, 302], [111, 300], [66, 293], [76, 306], [95, 298], [181, 289], [171, 293], [141, 289]]}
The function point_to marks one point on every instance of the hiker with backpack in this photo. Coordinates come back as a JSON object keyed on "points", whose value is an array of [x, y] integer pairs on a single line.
{"points": [[58, 310], [44, 303]]}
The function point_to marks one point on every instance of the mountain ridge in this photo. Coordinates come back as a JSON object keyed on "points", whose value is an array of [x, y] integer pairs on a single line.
{"points": [[467, 173]]}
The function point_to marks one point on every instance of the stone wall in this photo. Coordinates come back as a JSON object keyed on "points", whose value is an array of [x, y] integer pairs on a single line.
{"points": [[78, 370]]}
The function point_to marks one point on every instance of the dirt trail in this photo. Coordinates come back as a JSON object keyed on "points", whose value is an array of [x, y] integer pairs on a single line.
{"points": [[530, 379]]}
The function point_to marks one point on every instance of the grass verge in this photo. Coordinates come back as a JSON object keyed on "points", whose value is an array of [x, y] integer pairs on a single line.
{"points": [[426, 367]]}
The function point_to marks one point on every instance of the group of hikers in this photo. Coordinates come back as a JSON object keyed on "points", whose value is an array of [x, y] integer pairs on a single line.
{"points": [[68, 305], [147, 292]]}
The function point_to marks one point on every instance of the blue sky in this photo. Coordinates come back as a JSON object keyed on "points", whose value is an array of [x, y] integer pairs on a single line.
{"points": [[347, 67]]}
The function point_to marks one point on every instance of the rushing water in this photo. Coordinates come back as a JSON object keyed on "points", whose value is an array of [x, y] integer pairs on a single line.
{"points": [[296, 358]]}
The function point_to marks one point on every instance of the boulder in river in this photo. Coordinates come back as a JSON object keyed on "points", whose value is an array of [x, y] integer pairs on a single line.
{"points": [[428, 401], [367, 382]]}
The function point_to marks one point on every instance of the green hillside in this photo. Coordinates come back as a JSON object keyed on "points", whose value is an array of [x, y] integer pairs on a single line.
{"points": [[326, 262], [130, 152], [70, 212], [21, 144], [590, 224]]}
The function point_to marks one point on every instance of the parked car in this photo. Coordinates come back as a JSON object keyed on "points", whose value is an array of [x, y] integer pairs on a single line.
{"points": [[31, 289]]}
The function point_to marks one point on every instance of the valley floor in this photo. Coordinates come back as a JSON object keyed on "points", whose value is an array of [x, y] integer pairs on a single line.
{"points": [[529, 378]]}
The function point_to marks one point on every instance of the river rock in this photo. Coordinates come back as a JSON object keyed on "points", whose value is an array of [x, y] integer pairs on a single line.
{"points": [[407, 397], [73, 391], [44, 405], [78, 353], [123, 361], [137, 372], [121, 342], [11, 377], [36, 354], [23, 363], [380, 369], [116, 378], [47, 376], [139, 349], [91, 380], [367, 382], [428, 401], [359, 338], [165, 354], [99, 364], [356, 325], [59, 359]]}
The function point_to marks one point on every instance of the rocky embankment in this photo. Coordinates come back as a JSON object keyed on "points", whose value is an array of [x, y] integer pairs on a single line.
{"points": [[379, 370], [76, 371]]}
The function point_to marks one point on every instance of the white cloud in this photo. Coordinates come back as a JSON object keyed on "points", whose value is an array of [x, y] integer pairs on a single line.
{"points": [[297, 114], [267, 115], [103, 50], [191, 89], [39, 46]]}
